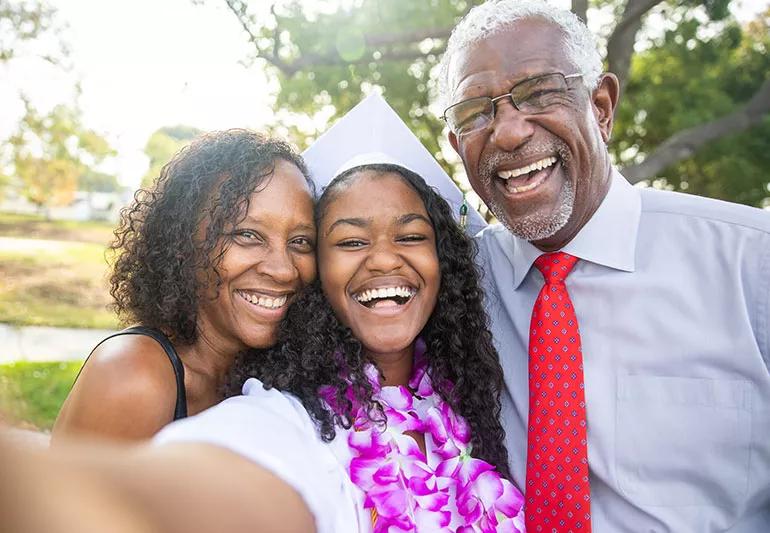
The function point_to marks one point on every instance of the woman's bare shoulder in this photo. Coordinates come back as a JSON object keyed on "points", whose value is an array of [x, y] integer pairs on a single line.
{"points": [[126, 390]]}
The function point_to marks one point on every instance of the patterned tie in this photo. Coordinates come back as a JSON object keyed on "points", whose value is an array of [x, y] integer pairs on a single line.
{"points": [[557, 493]]}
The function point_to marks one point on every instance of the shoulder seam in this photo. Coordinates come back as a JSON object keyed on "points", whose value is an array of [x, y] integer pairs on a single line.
{"points": [[701, 216]]}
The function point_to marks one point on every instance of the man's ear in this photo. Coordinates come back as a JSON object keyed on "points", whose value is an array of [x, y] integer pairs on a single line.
{"points": [[453, 141], [605, 99]]}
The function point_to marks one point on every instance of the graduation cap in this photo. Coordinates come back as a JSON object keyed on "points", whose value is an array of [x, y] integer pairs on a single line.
{"points": [[372, 133]]}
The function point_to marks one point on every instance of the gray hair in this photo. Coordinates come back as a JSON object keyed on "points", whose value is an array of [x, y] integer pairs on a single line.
{"points": [[493, 16]]}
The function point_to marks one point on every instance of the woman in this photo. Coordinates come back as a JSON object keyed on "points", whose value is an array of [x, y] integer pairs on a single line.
{"points": [[207, 262], [379, 404]]}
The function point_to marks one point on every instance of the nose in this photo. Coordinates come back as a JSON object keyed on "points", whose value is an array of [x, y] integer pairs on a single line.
{"points": [[510, 127], [383, 258], [279, 265]]}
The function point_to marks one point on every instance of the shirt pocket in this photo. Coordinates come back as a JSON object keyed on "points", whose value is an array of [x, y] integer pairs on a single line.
{"points": [[683, 441]]}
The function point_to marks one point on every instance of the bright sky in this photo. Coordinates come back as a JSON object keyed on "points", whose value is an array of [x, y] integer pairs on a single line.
{"points": [[146, 64]]}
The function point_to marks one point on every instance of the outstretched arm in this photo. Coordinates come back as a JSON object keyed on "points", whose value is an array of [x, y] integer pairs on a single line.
{"points": [[177, 487]]}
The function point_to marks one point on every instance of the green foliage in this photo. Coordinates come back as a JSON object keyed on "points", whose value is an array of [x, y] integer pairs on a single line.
{"points": [[328, 59], [32, 393], [22, 22], [695, 74], [5, 180], [51, 151], [695, 65], [94, 181], [162, 145]]}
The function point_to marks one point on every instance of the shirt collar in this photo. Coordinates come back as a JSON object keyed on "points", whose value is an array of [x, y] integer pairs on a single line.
{"points": [[608, 238]]}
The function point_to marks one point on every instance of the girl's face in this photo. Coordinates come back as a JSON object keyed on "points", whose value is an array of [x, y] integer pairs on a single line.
{"points": [[377, 261], [269, 256]]}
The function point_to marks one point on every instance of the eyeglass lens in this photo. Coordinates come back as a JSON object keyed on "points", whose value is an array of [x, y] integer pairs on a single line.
{"points": [[529, 96]]}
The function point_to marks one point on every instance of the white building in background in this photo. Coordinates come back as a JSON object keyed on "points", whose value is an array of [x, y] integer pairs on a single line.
{"points": [[85, 205]]}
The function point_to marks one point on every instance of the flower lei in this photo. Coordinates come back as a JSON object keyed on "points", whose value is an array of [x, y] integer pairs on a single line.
{"points": [[408, 492]]}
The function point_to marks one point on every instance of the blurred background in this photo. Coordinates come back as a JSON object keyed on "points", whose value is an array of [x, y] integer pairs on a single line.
{"points": [[96, 96]]}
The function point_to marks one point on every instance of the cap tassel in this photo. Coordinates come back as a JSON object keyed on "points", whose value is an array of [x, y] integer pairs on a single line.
{"points": [[464, 213]]}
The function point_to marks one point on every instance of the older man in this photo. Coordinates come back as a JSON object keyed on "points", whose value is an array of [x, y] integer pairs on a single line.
{"points": [[646, 406]]}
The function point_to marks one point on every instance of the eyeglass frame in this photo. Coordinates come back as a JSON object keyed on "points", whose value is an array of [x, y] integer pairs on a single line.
{"points": [[508, 94]]}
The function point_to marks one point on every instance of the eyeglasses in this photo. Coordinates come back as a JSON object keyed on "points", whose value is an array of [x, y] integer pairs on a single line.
{"points": [[532, 95]]}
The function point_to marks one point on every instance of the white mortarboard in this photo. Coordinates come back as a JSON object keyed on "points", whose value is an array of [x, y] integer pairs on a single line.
{"points": [[370, 133]]}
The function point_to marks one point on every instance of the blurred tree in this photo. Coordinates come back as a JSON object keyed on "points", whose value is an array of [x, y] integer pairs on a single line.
{"points": [[162, 145], [94, 181], [50, 152], [22, 23], [326, 57], [28, 28], [692, 88]]}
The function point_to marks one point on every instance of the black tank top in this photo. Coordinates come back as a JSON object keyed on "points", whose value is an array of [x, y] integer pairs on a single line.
{"points": [[180, 411]]}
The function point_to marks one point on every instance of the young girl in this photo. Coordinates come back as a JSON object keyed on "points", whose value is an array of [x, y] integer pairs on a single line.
{"points": [[392, 360]]}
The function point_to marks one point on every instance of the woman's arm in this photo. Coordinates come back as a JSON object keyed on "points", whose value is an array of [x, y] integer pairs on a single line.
{"points": [[126, 391], [186, 488]]}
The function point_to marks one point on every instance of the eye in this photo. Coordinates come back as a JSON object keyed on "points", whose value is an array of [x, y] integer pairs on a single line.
{"points": [[302, 244], [351, 243], [246, 236], [412, 238], [544, 94], [470, 115]]}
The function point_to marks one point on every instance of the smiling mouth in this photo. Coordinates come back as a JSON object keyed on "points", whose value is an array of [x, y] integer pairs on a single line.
{"points": [[261, 300], [385, 296], [526, 178]]}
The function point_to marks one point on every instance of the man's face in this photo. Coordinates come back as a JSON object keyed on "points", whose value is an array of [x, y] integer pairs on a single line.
{"points": [[542, 174]]}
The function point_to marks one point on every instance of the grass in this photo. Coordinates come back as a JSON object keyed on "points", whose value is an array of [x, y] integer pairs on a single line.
{"points": [[37, 227], [31, 394], [53, 273], [54, 283]]}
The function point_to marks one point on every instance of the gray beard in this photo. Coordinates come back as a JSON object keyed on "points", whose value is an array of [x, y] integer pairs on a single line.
{"points": [[536, 227]]}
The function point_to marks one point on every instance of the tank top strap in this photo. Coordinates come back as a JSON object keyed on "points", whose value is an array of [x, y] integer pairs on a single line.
{"points": [[180, 410]]}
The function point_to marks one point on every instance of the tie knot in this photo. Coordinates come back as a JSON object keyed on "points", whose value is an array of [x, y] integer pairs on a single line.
{"points": [[555, 267]]}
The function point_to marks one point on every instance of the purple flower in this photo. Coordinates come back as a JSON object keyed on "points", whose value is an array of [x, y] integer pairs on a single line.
{"points": [[441, 490], [511, 502], [431, 521], [369, 443]]}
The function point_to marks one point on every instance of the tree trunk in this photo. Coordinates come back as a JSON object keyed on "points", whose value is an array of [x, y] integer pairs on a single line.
{"points": [[685, 143]]}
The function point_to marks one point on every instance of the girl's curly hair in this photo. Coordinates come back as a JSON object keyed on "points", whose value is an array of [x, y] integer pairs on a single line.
{"points": [[162, 261], [315, 349]]}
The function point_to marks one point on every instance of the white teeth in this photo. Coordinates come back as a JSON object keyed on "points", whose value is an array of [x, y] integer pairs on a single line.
{"points": [[524, 188], [264, 301], [384, 292], [537, 165]]}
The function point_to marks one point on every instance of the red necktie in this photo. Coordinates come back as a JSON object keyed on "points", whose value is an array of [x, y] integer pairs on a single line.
{"points": [[557, 492]]}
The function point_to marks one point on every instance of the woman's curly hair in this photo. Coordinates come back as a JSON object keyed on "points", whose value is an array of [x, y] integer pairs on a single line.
{"points": [[315, 349], [163, 264]]}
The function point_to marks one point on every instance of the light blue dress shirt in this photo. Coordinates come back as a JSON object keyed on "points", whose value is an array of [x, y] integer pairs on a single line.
{"points": [[672, 295]]}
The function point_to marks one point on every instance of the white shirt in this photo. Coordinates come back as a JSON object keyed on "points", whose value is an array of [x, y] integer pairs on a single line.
{"points": [[273, 430], [672, 296]]}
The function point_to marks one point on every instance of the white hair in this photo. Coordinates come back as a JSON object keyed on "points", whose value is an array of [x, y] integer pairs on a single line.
{"points": [[493, 16]]}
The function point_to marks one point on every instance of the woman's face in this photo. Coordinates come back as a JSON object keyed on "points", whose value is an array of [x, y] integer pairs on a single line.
{"points": [[269, 256], [377, 261]]}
